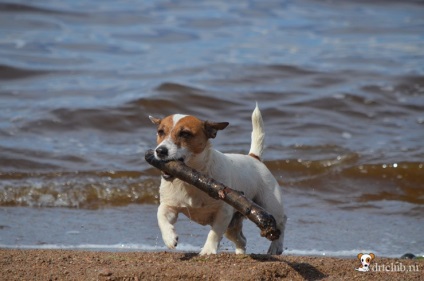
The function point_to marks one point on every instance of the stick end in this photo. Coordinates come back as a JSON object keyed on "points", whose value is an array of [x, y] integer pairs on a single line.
{"points": [[271, 233]]}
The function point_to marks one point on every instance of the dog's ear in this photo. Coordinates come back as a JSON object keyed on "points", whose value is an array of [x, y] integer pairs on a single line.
{"points": [[372, 256], [154, 120], [360, 256], [211, 128]]}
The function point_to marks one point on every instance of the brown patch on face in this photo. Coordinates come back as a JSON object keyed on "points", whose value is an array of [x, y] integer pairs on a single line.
{"points": [[164, 128], [189, 132]]}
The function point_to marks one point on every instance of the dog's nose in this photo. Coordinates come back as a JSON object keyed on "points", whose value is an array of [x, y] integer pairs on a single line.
{"points": [[162, 151]]}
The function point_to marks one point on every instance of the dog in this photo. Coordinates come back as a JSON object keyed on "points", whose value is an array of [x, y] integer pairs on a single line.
{"points": [[365, 261], [186, 138]]}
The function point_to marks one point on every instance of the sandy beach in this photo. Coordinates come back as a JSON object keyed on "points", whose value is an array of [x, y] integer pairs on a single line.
{"points": [[87, 265]]}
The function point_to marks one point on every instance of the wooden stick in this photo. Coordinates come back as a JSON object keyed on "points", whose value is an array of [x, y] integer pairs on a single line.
{"points": [[216, 190]]}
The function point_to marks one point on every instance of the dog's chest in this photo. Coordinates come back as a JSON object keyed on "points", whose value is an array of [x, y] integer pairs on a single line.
{"points": [[180, 194], [194, 203]]}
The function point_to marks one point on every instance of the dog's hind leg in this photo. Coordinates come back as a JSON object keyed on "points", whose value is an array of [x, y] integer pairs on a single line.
{"points": [[272, 202], [235, 233], [276, 247]]}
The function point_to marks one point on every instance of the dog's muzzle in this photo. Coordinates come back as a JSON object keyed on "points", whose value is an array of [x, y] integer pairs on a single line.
{"points": [[161, 153]]}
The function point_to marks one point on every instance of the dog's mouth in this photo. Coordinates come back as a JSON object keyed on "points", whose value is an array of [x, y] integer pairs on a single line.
{"points": [[167, 176], [170, 177]]}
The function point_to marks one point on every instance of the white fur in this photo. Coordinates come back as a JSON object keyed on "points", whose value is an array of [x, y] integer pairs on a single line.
{"points": [[240, 172], [258, 134], [176, 118]]}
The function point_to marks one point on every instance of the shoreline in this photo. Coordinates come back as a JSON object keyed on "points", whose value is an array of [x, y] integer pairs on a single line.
{"points": [[19, 264]]}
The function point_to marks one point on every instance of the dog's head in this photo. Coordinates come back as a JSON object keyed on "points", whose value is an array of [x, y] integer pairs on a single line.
{"points": [[181, 137], [366, 259]]}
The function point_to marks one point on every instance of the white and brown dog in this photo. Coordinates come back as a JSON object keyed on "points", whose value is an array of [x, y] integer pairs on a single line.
{"points": [[186, 138], [365, 260]]}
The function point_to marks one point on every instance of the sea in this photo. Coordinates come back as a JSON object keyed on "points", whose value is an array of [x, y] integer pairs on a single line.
{"points": [[340, 85]]}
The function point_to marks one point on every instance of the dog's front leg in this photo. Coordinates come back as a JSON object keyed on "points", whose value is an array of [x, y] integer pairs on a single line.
{"points": [[167, 217], [218, 228]]}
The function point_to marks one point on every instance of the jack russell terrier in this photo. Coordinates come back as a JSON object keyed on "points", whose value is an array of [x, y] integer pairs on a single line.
{"points": [[186, 138], [365, 261]]}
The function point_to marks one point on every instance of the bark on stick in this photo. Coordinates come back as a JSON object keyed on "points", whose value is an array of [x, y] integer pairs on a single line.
{"points": [[216, 190]]}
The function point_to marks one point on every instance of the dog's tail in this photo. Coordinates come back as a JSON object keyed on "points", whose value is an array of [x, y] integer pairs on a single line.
{"points": [[258, 134]]}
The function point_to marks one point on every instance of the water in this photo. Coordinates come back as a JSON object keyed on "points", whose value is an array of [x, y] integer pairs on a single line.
{"points": [[340, 86]]}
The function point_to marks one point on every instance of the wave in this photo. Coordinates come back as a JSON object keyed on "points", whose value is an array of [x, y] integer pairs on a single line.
{"points": [[11, 73], [24, 8], [327, 179], [78, 190]]}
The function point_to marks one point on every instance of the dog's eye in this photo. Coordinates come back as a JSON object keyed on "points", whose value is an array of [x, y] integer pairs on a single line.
{"points": [[185, 134], [161, 132]]}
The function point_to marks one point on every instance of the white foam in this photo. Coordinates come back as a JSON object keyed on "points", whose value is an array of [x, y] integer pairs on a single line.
{"points": [[113, 247], [323, 253], [342, 253], [183, 247]]}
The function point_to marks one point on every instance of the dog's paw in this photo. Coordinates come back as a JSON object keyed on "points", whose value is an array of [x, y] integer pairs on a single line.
{"points": [[170, 240], [276, 248], [208, 251], [240, 251]]}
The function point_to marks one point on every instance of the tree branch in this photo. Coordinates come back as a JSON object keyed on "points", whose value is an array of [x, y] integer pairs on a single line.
{"points": [[216, 190]]}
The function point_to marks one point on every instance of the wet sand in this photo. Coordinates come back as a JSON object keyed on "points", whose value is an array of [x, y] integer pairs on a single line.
{"points": [[87, 265]]}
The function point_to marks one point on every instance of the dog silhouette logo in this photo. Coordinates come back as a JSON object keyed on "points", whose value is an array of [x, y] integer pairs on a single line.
{"points": [[365, 260]]}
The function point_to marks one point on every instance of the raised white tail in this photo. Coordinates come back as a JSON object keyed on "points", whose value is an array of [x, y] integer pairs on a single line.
{"points": [[258, 134]]}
